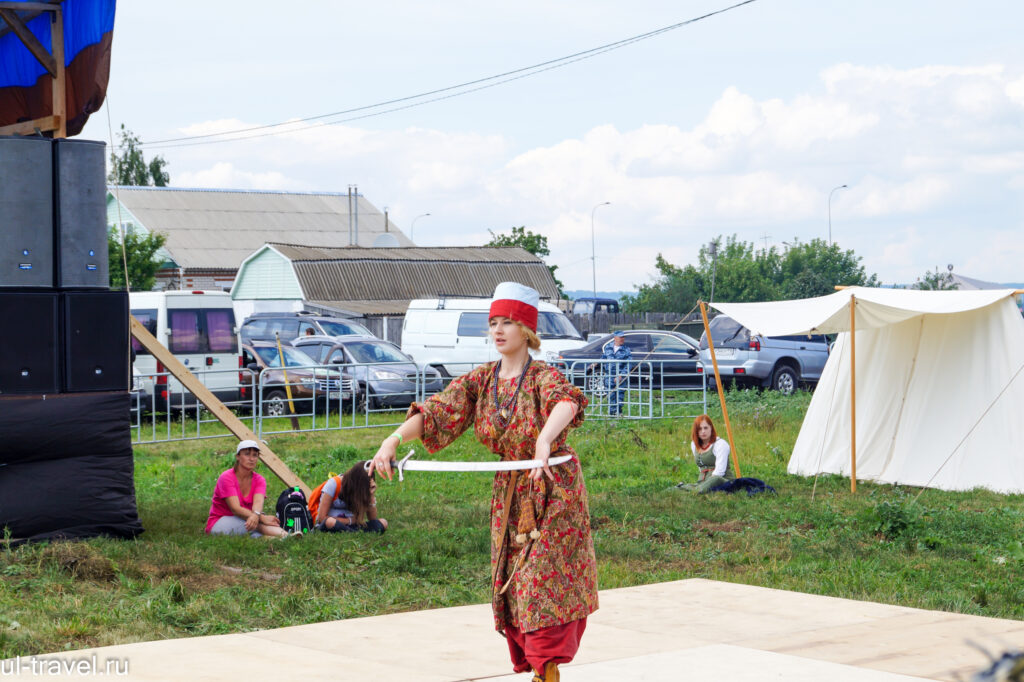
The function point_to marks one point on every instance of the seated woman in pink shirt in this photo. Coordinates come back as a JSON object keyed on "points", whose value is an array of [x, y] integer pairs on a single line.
{"points": [[238, 497]]}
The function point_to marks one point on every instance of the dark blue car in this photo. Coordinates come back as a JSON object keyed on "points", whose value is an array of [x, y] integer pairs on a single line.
{"points": [[673, 359]]}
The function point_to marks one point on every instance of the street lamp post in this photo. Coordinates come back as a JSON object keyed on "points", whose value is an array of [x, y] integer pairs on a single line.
{"points": [[412, 228], [593, 260], [830, 211]]}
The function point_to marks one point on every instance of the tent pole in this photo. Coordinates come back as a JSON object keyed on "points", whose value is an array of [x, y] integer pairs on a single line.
{"points": [[721, 393], [853, 394]]}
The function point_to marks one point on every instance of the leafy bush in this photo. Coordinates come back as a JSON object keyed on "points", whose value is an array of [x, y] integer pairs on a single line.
{"points": [[895, 518]]}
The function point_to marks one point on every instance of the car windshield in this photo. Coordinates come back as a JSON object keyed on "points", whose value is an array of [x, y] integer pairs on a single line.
{"points": [[727, 333], [292, 357], [338, 328], [370, 352], [556, 326]]}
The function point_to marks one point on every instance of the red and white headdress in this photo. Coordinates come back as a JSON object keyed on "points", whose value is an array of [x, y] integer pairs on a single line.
{"points": [[516, 302]]}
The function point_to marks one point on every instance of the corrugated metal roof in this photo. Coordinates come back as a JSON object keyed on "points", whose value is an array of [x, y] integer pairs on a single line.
{"points": [[356, 274], [462, 254], [220, 228], [366, 307]]}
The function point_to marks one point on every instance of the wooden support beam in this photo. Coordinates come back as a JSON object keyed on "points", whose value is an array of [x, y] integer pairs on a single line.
{"points": [[721, 391], [29, 40], [60, 97], [203, 394], [30, 6], [45, 124]]}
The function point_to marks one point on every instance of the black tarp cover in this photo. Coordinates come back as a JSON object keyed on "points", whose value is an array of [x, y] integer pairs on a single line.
{"points": [[66, 466]]}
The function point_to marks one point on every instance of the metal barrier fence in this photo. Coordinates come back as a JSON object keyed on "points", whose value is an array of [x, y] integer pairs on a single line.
{"points": [[163, 410], [638, 389], [372, 395]]}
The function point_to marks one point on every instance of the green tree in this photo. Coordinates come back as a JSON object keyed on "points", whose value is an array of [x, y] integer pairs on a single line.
{"points": [[675, 290], [934, 280], [743, 273], [816, 267], [140, 250], [537, 244], [128, 165]]}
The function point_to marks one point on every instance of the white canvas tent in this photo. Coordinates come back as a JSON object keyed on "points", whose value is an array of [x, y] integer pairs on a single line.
{"points": [[939, 385]]}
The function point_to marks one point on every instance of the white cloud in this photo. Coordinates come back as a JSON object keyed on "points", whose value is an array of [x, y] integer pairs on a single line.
{"points": [[881, 198], [224, 174], [1000, 253], [924, 151]]}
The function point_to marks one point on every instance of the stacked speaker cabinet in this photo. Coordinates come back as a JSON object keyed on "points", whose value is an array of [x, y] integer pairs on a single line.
{"points": [[96, 341], [30, 342], [26, 213], [80, 214]]}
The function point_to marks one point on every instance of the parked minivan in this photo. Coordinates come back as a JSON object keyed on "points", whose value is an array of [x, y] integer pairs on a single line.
{"points": [[199, 328], [451, 334], [778, 362]]}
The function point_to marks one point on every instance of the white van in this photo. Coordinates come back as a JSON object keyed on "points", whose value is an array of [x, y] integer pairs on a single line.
{"points": [[451, 334], [199, 328]]}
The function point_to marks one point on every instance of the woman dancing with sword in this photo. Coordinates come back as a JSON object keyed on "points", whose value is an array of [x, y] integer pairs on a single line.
{"points": [[544, 575]]}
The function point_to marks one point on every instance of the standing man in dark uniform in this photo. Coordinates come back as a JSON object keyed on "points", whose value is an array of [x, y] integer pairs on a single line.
{"points": [[616, 373]]}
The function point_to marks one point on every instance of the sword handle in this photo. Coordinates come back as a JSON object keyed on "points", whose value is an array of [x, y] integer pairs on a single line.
{"points": [[401, 465]]}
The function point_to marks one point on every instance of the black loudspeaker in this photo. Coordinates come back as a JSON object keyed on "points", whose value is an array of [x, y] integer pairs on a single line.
{"points": [[80, 217], [29, 342], [96, 345], [26, 212]]}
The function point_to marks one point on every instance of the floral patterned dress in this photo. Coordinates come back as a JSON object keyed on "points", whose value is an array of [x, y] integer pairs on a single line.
{"points": [[546, 554]]}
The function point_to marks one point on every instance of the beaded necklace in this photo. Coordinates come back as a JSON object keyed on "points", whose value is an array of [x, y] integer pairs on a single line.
{"points": [[506, 410]]}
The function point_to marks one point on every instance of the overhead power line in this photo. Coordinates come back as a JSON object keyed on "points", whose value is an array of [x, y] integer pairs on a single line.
{"points": [[428, 97]]}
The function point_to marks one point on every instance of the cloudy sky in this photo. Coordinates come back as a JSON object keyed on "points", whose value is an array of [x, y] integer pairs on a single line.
{"points": [[741, 123]]}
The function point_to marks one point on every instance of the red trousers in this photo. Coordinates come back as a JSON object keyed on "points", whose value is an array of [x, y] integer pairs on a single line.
{"points": [[557, 643]]}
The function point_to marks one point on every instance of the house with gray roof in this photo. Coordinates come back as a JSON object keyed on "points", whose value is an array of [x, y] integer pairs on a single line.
{"points": [[378, 283], [211, 231]]}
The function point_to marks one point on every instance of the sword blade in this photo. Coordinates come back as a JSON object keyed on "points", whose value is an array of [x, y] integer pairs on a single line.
{"points": [[515, 465], [409, 464]]}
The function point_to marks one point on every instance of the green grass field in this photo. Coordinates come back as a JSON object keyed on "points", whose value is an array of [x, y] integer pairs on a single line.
{"points": [[952, 551]]}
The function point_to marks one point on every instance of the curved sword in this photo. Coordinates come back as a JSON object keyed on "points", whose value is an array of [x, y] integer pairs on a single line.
{"points": [[409, 464]]}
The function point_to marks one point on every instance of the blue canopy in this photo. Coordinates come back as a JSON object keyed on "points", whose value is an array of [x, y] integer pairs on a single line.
{"points": [[26, 88]]}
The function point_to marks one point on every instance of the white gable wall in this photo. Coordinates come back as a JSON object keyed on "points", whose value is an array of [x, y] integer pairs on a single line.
{"points": [[266, 275], [266, 282]]}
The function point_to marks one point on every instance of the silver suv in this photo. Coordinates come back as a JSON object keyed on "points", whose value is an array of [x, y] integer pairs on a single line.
{"points": [[779, 362]]}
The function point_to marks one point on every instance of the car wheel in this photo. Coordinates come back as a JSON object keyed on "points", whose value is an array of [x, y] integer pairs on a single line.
{"points": [[595, 383], [274, 404], [784, 379]]}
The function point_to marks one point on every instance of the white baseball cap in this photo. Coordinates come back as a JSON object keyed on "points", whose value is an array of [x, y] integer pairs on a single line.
{"points": [[247, 444]]}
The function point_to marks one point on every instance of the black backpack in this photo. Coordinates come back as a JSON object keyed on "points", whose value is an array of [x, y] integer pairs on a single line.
{"points": [[293, 512]]}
